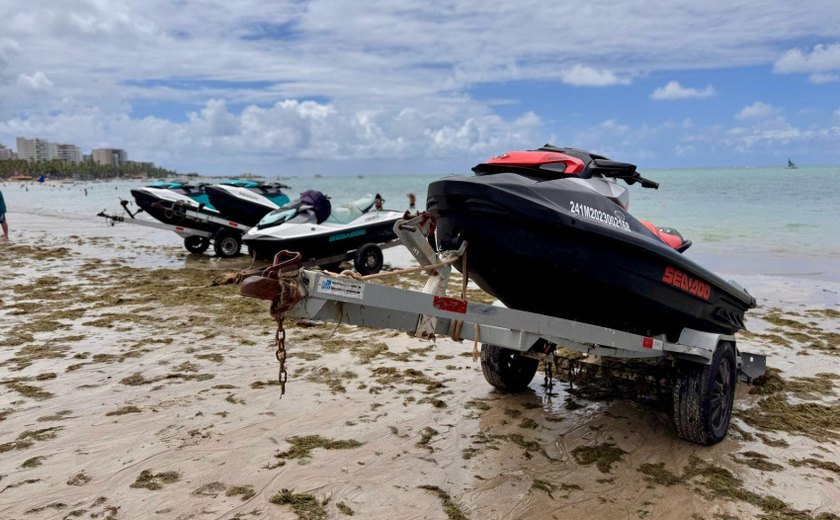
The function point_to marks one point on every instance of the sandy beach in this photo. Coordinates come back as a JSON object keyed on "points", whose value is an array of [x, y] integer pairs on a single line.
{"points": [[133, 388]]}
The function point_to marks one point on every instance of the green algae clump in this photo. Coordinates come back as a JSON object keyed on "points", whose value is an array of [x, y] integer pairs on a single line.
{"points": [[306, 507], [603, 455]]}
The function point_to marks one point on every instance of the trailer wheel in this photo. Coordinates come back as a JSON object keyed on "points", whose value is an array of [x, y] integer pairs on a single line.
{"points": [[506, 369], [227, 243], [196, 244], [368, 259], [703, 397]]}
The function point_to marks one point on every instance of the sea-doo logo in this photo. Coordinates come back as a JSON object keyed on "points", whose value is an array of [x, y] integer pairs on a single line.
{"points": [[501, 156], [680, 280], [349, 234], [616, 220]]}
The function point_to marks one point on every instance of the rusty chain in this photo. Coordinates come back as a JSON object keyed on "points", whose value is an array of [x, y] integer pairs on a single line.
{"points": [[280, 353]]}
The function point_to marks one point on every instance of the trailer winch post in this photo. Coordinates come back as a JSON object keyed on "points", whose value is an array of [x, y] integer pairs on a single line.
{"points": [[414, 234]]}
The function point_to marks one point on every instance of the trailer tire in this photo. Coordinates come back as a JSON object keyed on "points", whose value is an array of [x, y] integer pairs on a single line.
{"points": [[196, 244], [368, 259], [507, 369], [703, 397], [227, 244]]}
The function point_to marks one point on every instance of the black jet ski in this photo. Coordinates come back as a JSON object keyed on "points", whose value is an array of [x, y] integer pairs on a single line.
{"points": [[312, 226], [246, 201], [548, 231], [167, 205], [193, 191]]}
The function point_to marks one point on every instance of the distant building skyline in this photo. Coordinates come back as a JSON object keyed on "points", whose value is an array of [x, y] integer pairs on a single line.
{"points": [[6, 153], [109, 156], [37, 149]]}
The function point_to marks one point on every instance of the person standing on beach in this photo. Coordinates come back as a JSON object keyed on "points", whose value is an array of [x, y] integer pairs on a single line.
{"points": [[3, 217]]}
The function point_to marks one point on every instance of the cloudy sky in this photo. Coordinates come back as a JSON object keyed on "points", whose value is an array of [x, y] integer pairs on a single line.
{"points": [[427, 86]]}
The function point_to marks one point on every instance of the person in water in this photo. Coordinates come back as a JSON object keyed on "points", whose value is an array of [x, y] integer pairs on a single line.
{"points": [[3, 217], [412, 202]]}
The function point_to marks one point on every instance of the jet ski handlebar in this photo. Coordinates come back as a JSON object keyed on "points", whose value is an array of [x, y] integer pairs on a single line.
{"points": [[619, 170], [647, 183]]}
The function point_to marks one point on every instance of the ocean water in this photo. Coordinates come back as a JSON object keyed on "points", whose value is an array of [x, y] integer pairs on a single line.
{"points": [[742, 221]]}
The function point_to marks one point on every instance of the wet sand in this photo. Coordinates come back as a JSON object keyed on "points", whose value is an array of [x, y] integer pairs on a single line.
{"points": [[131, 388]]}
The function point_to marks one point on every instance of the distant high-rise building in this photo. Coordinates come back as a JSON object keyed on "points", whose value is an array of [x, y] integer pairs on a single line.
{"points": [[69, 153], [6, 154], [36, 149], [109, 156]]}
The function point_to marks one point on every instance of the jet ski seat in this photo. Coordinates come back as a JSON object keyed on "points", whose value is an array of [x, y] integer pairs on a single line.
{"points": [[670, 236], [350, 211]]}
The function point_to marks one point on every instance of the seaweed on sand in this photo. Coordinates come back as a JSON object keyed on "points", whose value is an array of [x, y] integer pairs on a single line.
{"points": [[153, 481], [817, 421], [602, 455], [79, 479], [546, 487], [657, 474], [453, 512], [715, 482], [305, 506], [334, 379], [426, 435], [124, 410], [756, 460], [33, 392], [245, 492], [816, 463], [302, 446]]}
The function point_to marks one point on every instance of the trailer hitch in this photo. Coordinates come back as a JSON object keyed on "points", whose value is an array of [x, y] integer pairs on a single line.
{"points": [[276, 283]]}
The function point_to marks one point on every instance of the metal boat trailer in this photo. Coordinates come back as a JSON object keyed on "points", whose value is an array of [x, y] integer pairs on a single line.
{"points": [[226, 238], [702, 367]]}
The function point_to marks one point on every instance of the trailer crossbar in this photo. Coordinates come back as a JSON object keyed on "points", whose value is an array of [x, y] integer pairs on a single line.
{"points": [[345, 300]]}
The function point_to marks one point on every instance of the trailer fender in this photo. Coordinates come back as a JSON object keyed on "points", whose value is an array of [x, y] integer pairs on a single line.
{"points": [[699, 346]]}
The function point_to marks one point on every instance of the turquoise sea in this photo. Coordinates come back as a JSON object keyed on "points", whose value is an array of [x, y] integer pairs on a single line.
{"points": [[765, 221]]}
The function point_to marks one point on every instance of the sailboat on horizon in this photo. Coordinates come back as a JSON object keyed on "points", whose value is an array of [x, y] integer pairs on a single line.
{"points": [[790, 165]]}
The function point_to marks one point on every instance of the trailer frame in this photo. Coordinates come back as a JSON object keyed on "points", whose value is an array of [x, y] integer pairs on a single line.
{"points": [[703, 367], [226, 238]]}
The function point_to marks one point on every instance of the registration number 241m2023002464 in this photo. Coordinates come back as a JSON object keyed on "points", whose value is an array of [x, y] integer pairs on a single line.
{"points": [[680, 280]]}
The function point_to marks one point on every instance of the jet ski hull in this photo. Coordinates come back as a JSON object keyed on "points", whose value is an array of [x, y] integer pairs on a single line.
{"points": [[593, 262], [165, 209], [321, 243], [242, 205]]}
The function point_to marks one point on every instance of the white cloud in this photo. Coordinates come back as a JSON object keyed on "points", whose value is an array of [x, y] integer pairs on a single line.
{"points": [[610, 125], [818, 78], [266, 82], [583, 76], [683, 150], [218, 138], [757, 110], [37, 81], [673, 90], [822, 58]]}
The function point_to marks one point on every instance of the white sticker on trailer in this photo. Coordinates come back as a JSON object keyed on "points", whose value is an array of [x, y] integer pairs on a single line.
{"points": [[346, 288]]}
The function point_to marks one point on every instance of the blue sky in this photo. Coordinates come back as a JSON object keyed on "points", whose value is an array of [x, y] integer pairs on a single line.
{"points": [[330, 87]]}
